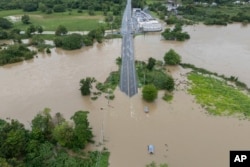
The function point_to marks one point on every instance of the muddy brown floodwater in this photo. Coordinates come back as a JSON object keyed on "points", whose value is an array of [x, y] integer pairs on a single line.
{"points": [[181, 131]]}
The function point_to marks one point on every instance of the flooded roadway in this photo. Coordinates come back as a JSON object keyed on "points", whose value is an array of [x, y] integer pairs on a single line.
{"points": [[182, 132]]}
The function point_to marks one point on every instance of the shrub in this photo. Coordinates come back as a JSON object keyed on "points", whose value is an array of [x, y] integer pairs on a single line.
{"points": [[175, 34], [48, 50], [58, 41], [61, 30], [15, 53], [87, 41], [149, 93], [72, 41], [172, 58], [160, 80], [151, 63]]}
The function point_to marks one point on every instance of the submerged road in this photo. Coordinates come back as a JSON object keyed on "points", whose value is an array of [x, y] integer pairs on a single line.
{"points": [[128, 82]]}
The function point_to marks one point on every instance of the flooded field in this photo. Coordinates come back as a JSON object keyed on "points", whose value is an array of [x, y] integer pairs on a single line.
{"points": [[182, 132]]}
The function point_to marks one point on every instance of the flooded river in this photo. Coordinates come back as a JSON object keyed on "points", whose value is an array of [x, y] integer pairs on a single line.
{"points": [[181, 131]]}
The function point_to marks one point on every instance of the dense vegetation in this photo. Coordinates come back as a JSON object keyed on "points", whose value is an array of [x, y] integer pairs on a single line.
{"points": [[210, 12], [62, 5], [232, 79], [76, 41], [50, 142], [58, 5], [175, 34], [86, 85], [49, 13], [15, 53], [151, 73], [217, 96], [220, 95], [157, 76], [5, 24]]}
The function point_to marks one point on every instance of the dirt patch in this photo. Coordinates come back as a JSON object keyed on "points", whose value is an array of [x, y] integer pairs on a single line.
{"points": [[14, 19]]}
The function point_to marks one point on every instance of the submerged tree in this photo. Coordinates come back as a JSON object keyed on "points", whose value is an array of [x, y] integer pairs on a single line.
{"points": [[82, 131], [172, 58], [42, 126], [72, 41], [86, 85], [151, 63], [149, 92]]}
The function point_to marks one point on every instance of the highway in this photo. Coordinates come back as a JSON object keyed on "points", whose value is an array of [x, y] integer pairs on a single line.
{"points": [[128, 81]]}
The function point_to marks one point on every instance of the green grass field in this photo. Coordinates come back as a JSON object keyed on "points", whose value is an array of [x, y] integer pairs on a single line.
{"points": [[217, 96], [73, 21]]}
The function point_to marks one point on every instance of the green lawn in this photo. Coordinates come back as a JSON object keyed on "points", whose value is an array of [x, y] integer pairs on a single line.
{"points": [[217, 96], [73, 21]]}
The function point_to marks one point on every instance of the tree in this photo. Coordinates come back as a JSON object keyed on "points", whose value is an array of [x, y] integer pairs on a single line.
{"points": [[20, 147], [175, 34], [151, 63], [31, 29], [13, 139], [86, 85], [37, 40], [44, 155], [39, 29], [172, 58], [58, 41], [42, 7], [64, 134], [4, 163], [82, 131], [160, 80], [138, 3], [3, 35], [97, 34], [91, 10], [58, 119], [59, 8], [15, 53], [109, 17], [72, 41], [42, 126], [29, 7], [5, 24], [149, 93], [61, 30], [48, 51], [25, 19], [87, 41]]}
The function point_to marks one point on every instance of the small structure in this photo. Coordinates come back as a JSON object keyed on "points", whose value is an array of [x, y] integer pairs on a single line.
{"points": [[145, 22], [151, 149], [146, 110]]}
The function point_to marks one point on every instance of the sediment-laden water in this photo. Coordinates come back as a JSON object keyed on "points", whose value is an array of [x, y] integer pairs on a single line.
{"points": [[181, 131]]}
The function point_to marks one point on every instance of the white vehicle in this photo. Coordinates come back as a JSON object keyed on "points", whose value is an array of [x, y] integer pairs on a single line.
{"points": [[151, 149]]}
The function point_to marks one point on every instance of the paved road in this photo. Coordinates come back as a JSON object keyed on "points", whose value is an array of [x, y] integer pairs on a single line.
{"points": [[128, 82]]}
